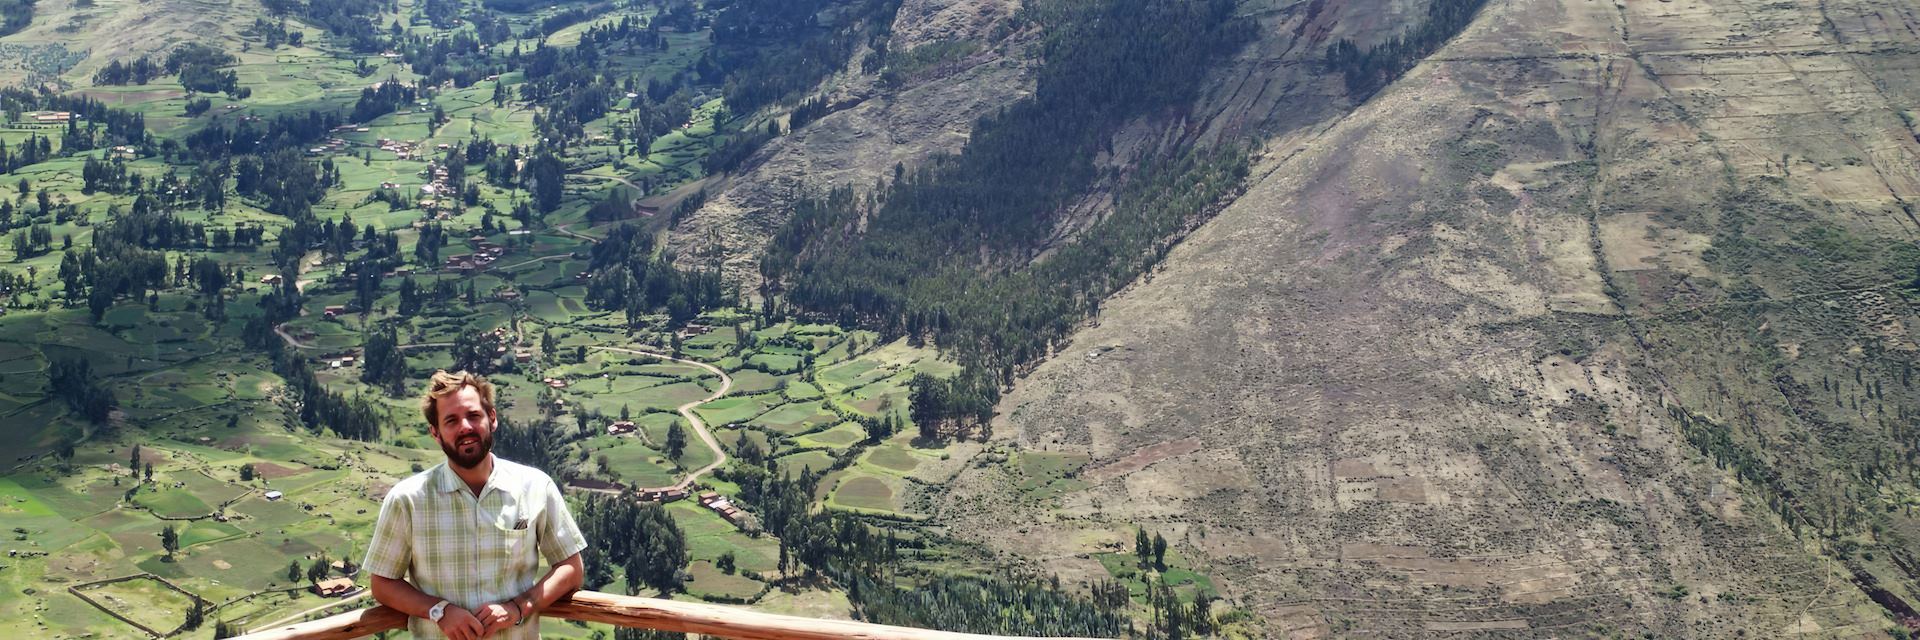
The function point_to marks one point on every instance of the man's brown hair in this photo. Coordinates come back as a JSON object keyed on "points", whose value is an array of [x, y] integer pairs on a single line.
{"points": [[445, 384]]}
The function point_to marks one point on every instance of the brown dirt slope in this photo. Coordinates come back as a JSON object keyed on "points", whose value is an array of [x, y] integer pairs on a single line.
{"points": [[1445, 355], [118, 30]]}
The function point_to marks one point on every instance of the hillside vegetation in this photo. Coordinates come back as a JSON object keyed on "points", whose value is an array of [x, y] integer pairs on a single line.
{"points": [[1600, 332]]}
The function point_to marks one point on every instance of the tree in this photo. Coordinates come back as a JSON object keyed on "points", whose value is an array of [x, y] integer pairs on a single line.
{"points": [[133, 459], [725, 563], [319, 569], [169, 540], [676, 440], [1159, 553], [196, 614], [293, 571], [246, 472], [1142, 547], [149, 472]]}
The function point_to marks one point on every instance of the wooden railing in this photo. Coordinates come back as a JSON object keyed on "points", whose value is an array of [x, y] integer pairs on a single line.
{"points": [[628, 611]]}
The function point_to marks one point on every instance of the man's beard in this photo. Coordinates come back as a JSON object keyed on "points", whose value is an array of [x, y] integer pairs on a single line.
{"points": [[480, 450]]}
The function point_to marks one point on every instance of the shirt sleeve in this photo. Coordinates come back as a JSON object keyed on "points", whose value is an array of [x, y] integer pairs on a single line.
{"points": [[391, 552], [559, 536]]}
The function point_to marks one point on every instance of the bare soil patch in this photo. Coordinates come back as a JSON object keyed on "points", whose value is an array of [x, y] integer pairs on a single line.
{"points": [[1141, 458]]}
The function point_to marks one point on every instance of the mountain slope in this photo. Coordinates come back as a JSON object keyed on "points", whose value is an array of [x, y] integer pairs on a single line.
{"points": [[1572, 329], [872, 126], [72, 39]]}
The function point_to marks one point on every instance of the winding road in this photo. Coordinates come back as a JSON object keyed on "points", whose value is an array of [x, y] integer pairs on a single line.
{"points": [[686, 411]]}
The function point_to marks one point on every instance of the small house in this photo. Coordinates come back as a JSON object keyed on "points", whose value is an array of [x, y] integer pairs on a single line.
{"points": [[274, 495], [622, 427], [333, 587]]}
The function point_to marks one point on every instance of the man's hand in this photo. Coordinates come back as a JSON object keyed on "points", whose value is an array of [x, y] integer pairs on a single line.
{"points": [[495, 617], [459, 624]]}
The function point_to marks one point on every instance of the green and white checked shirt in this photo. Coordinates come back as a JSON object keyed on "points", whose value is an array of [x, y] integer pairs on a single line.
{"points": [[473, 551]]}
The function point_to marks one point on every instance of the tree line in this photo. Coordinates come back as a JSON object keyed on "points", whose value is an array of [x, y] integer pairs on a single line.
{"points": [[1367, 70]]}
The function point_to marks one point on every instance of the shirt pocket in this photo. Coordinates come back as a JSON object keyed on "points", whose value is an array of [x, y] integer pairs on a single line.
{"points": [[517, 548]]}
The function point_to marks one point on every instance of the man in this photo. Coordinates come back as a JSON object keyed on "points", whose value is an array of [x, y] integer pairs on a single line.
{"points": [[455, 546]]}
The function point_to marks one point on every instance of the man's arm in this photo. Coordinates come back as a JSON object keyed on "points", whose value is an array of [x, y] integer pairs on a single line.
{"points": [[456, 622], [390, 557], [561, 581], [560, 543]]}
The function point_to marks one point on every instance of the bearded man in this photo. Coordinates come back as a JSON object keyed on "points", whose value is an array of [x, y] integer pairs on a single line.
{"points": [[457, 546]]}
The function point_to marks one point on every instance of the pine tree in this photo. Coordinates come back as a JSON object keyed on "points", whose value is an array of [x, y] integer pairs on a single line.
{"points": [[1159, 553], [676, 440], [196, 614]]}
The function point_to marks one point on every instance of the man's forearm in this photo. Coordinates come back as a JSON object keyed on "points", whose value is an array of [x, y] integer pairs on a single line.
{"points": [[563, 579], [402, 595]]}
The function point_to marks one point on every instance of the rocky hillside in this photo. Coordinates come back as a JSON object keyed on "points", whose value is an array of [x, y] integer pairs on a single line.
{"points": [[69, 39], [951, 62], [1597, 321]]}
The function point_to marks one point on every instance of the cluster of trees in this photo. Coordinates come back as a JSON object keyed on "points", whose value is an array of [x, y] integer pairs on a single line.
{"points": [[1003, 606], [1367, 70], [630, 276], [244, 136], [32, 241], [140, 71], [480, 352], [641, 539], [285, 182], [540, 445], [274, 33], [15, 15], [351, 417], [73, 381], [350, 22], [382, 99], [32, 150], [576, 15], [199, 67], [941, 403], [114, 266], [768, 51], [105, 126], [384, 365], [110, 176]]}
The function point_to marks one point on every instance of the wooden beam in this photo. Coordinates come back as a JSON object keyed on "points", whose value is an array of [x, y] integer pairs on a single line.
{"points": [[352, 624], [737, 623]]}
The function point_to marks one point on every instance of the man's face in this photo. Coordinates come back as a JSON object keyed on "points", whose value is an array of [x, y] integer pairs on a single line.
{"points": [[465, 429]]}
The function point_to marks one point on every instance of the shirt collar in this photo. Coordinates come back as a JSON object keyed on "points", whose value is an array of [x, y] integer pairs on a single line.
{"points": [[448, 482]]}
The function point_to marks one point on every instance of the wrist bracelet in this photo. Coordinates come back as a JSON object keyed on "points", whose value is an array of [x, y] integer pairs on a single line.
{"points": [[519, 614]]}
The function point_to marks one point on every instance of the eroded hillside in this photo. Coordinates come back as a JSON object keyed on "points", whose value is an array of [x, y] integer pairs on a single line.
{"points": [[69, 39], [1594, 322], [954, 62]]}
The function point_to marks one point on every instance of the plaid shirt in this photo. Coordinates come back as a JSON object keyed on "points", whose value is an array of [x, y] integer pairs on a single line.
{"points": [[473, 551]]}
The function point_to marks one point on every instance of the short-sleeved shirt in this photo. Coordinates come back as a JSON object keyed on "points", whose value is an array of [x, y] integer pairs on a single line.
{"points": [[473, 551]]}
